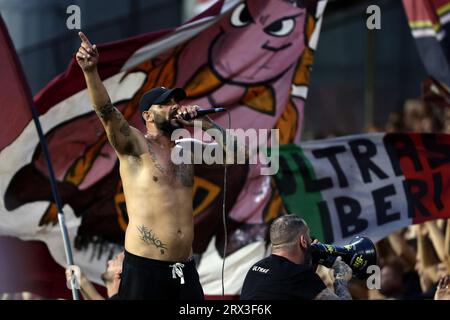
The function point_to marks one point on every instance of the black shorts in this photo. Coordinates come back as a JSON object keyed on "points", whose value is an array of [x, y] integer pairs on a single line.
{"points": [[144, 278]]}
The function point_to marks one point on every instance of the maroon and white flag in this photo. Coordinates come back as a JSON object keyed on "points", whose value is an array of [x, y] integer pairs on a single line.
{"points": [[252, 57]]}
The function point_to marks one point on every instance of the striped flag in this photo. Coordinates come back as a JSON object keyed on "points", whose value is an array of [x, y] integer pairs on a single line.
{"points": [[429, 21], [370, 184]]}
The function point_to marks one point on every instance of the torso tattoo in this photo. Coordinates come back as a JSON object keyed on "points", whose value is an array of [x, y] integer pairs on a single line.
{"points": [[154, 158], [184, 173], [149, 237]]}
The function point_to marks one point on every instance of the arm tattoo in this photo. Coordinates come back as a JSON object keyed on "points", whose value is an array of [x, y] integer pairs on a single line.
{"points": [[341, 289], [125, 129], [327, 294], [150, 238], [154, 159], [341, 270], [113, 140], [117, 114], [105, 111]]}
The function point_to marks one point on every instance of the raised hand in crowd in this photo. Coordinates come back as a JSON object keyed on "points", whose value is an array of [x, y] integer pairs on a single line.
{"points": [[86, 287], [437, 237], [402, 249], [443, 289]]}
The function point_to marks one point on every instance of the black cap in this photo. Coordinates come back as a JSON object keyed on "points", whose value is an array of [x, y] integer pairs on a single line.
{"points": [[160, 95]]}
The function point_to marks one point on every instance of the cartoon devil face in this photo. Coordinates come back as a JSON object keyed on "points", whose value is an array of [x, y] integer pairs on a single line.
{"points": [[279, 26]]}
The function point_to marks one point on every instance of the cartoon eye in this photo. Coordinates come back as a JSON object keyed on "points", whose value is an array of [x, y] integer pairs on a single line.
{"points": [[281, 28], [241, 16]]}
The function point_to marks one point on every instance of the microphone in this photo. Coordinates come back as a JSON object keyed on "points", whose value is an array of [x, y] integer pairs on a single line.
{"points": [[204, 112]]}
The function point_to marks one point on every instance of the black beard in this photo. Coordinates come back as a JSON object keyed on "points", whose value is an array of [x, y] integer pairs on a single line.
{"points": [[165, 127]]}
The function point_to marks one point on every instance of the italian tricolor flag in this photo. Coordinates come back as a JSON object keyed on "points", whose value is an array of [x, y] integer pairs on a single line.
{"points": [[368, 185]]}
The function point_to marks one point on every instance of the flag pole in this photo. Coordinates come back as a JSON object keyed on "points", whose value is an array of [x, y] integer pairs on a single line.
{"points": [[57, 199]]}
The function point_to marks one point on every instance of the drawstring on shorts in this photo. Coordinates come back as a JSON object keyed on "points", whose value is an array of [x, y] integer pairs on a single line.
{"points": [[178, 271]]}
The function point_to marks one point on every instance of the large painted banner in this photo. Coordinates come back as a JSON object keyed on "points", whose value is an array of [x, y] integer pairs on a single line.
{"points": [[253, 57], [370, 184]]}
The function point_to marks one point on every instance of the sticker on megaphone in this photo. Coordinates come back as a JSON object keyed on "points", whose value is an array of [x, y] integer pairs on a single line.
{"points": [[359, 254]]}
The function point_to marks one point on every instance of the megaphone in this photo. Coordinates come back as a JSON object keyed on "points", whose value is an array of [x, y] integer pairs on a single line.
{"points": [[359, 255]]}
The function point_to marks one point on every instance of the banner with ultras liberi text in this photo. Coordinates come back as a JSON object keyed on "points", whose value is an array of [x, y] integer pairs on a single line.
{"points": [[369, 184]]}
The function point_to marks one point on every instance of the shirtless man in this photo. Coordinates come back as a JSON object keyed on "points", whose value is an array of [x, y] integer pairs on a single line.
{"points": [[158, 260]]}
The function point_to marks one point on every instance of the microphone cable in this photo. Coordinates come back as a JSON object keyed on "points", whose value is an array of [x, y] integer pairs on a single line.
{"points": [[224, 218]]}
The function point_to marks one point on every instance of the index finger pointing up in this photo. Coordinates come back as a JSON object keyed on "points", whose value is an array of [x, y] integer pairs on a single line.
{"points": [[84, 38]]}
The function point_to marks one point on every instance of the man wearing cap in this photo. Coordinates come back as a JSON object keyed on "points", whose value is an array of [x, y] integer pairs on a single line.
{"points": [[158, 260]]}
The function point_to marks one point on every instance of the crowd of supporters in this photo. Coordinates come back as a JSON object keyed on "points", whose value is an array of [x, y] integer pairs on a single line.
{"points": [[415, 261]]}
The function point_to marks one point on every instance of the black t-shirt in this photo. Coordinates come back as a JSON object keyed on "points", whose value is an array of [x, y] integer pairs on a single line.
{"points": [[277, 278]]}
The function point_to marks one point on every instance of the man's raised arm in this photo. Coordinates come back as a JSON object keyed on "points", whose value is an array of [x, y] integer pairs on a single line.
{"points": [[120, 134]]}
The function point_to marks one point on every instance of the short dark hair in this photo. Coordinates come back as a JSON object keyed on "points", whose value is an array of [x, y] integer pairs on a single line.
{"points": [[286, 229]]}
